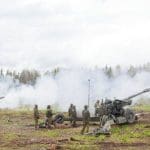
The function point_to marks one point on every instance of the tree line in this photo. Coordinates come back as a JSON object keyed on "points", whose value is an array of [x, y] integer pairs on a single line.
{"points": [[30, 76]]}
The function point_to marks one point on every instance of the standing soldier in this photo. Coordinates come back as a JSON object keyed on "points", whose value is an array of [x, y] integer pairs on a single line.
{"points": [[97, 107], [49, 115], [74, 116], [36, 116], [101, 112], [86, 119], [70, 112]]}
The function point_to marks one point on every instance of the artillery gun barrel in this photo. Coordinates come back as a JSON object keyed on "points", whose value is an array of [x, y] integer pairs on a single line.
{"points": [[135, 95]]}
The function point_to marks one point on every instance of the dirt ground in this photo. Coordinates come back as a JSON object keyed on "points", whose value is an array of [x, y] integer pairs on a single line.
{"points": [[17, 132]]}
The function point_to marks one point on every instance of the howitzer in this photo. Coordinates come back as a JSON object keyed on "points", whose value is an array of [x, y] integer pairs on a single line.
{"points": [[116, 111], [112, 110]]}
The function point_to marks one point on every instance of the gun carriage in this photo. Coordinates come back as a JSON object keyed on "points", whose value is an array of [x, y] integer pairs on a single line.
{"points": [[114, 110]]}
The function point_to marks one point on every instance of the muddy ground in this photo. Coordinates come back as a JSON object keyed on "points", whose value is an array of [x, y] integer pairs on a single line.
{"points": [[17, 132]]}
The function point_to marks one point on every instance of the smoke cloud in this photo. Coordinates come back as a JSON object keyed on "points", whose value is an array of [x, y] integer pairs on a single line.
{"points": [[73, 34], [71, 86]]}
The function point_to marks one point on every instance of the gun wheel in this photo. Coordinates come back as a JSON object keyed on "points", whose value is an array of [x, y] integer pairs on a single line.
{"points": [[130, 116], [59, 118]]}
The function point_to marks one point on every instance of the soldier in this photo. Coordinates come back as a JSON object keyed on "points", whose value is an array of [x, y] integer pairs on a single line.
{"points": [[86, 119], [102, 112], [74, 116], [97, 106], [36, 116], [70, 112], [49, 115]]}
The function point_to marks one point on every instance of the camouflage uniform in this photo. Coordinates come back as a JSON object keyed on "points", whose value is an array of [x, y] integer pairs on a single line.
{"points": [[74, 116], [36, 116], [49, 115], [97, 107], [102, 112], [70, 113], [86, 119]]}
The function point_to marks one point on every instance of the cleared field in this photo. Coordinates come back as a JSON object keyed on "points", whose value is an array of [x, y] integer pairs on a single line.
{"points": [[17, 132]]}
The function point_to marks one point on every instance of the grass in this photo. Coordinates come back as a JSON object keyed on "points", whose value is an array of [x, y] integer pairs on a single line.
{"points": [[82, 147], [129, 134], [48, 134], [146, 133], [17, 130], [10, 136], [145, 108]]}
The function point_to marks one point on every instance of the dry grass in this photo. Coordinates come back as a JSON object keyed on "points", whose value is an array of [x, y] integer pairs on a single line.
{"points": [[16, 133]]}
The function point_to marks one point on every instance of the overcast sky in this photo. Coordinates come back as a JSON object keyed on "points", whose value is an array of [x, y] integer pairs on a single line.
{"points": [[48, 33]]}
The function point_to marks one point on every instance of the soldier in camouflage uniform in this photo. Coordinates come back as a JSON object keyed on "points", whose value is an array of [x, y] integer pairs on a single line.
{"points": [[36, 116], [74, 116], [102, 112], [86, 119], [70, 113], [49, 115], [97, 107]]}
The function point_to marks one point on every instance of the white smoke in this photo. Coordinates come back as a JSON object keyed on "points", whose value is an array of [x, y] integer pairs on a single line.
{"points": [[73, 33], [71, 86]]}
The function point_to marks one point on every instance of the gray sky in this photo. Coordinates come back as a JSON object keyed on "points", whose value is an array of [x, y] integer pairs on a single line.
{"points": [[46, 33]]}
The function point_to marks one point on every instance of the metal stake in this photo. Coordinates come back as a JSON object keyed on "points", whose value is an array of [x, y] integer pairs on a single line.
{"points": [[89, 93]]}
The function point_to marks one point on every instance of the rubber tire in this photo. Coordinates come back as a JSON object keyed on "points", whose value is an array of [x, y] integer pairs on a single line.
{"points": [[130, 116], [59, 118]]}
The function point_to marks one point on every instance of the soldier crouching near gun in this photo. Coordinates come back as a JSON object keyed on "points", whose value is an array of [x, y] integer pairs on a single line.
{"points": [[86, 119], [36, 116], [49, 115], [97, 107]]}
